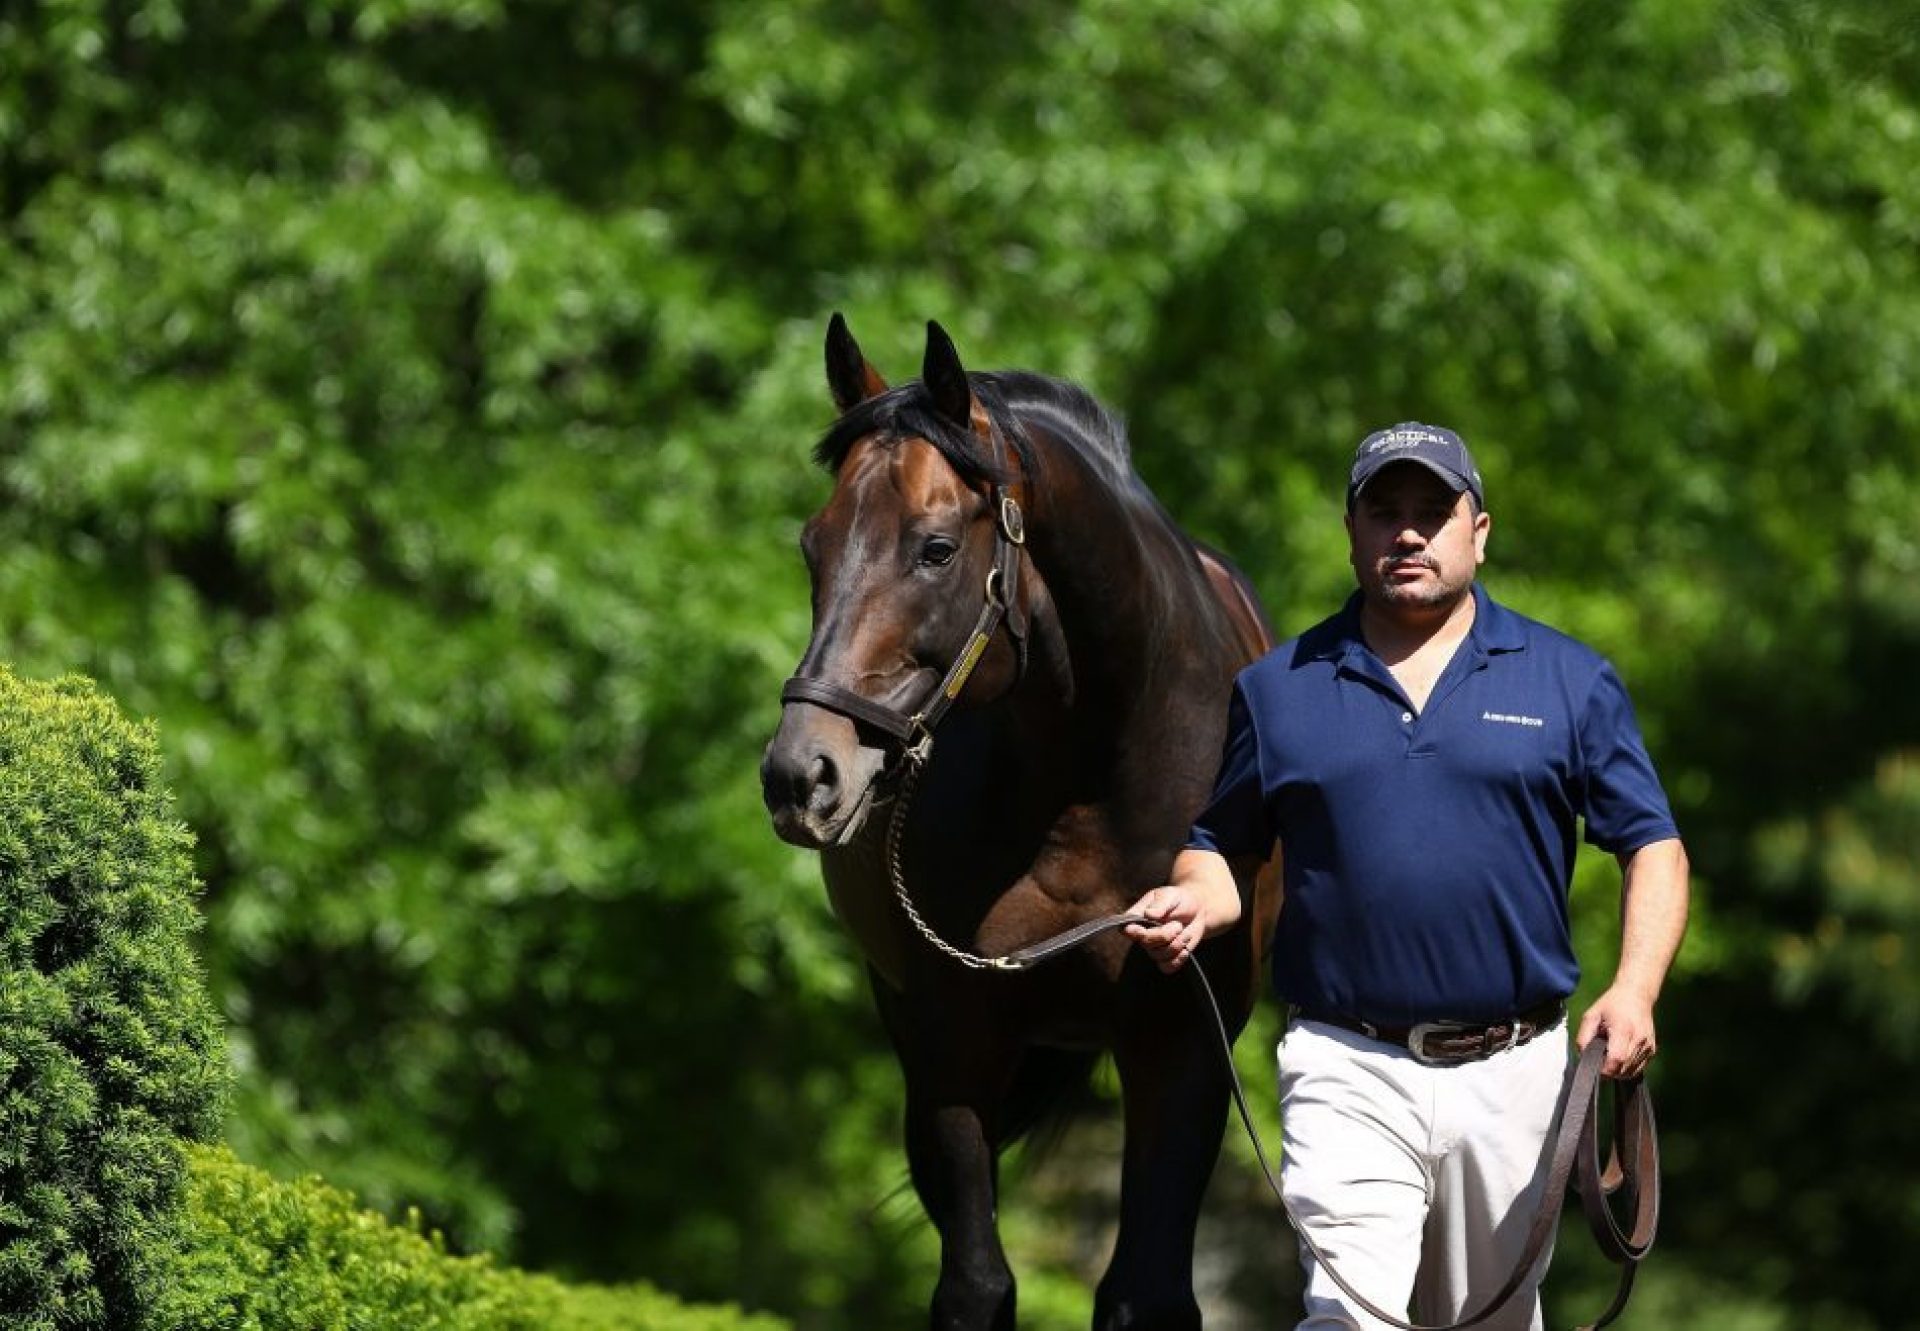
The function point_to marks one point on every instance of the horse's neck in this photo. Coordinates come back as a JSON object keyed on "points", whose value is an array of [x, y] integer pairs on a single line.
{"points": [[1133, 613]]}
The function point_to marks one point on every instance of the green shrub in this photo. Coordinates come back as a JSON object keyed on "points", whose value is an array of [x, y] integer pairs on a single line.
{"points": [[264, 1255], [110, 1054]]}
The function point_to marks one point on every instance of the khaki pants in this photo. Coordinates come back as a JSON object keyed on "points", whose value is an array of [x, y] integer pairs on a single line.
{"points": [[1418, 1183]]}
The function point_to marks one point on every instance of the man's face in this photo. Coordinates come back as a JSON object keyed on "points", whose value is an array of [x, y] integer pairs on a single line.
{"points": [[1415, 543]]}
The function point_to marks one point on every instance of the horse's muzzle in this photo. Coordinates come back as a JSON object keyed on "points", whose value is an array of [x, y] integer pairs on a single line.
{"points": [[817, 779]]}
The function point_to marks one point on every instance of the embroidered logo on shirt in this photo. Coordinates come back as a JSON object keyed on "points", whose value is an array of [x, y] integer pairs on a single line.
{"points": [[1508, 719]]}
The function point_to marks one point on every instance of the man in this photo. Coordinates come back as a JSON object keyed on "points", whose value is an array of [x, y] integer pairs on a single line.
{"points": [[1423, 758]]}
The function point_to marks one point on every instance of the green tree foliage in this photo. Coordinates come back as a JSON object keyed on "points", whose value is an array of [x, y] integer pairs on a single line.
{"points": [[110, 1054], [264, 1255], [407, 402], [397, 475]]}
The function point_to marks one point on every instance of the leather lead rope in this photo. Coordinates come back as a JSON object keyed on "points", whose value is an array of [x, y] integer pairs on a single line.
{"points": [[1633, 1147], [1633, 1168], [1576, 1158]]}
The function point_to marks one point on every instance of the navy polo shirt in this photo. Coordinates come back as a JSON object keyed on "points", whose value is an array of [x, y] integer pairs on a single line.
{"points": [[1428, 856]]}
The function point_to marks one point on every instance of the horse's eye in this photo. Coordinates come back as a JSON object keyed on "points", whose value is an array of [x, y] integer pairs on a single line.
{"points": [[937, 552]]}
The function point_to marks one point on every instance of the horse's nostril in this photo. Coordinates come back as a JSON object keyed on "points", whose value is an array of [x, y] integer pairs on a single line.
{"points": [[823, 778]]}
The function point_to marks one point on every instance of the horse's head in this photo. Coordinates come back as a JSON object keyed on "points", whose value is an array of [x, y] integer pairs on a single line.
{"points": [[914, 561]]}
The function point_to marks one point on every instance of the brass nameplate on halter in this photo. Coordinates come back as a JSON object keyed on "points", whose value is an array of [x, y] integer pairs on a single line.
{"points": [[967, 663]]}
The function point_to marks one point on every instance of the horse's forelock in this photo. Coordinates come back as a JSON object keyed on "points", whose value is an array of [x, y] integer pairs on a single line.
{"points": [[907, 412]]}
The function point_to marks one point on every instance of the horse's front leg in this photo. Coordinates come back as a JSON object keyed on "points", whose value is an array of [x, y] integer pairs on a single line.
{"points": [[1176, 1105], [951, 1155], [955, 1075]]}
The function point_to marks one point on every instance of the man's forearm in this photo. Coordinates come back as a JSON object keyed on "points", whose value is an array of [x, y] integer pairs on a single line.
{"points": [[1653, 916], [1209, 878]]}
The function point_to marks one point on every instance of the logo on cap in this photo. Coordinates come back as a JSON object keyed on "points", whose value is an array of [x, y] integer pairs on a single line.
{"points": [[1434, 447], [1404, 438]]}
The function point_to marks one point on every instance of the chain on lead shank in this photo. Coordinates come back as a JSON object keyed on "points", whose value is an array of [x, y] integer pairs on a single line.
{"points": [[915, 758]]}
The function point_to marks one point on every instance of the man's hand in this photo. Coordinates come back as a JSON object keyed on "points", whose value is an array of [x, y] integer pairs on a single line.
{"points": [[1627, 1019], [1200, 901], [1181, 928]]}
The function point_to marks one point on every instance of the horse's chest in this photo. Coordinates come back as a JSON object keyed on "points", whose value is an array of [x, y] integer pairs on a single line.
{"points": [[862, 900]]}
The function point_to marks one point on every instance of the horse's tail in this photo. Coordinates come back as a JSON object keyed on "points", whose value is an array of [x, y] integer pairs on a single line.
{"points": [[1051, 1088]]}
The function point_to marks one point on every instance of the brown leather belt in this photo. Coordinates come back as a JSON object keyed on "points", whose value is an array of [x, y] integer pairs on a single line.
{"points": [[1447, 1042]]}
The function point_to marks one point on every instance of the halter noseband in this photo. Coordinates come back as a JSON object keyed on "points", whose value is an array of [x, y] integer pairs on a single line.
{"points": [[914, 730]]}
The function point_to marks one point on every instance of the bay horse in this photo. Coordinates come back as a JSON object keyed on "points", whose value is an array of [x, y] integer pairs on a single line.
{"points": [[1088, 707]]}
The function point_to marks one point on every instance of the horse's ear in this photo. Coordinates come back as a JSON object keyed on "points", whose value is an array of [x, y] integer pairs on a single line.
{"points": [[849, 377], [945, 377]]}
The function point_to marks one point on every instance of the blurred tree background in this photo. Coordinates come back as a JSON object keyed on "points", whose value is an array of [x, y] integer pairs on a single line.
{"points": [[407, 404]]}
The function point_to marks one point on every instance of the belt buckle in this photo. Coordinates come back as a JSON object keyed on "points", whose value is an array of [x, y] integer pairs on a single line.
{"points": [[1417, 1040]]}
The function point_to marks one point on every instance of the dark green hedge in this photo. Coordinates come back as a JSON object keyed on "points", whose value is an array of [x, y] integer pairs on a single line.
{"points": [[110, 1053], [113, 1214], [264, 1255]]}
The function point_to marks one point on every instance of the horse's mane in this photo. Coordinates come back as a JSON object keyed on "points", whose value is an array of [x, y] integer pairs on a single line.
{"points": [[1012, 399]]}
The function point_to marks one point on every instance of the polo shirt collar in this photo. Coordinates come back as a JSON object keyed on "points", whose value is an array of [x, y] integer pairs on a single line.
{"points": [[1495, 629]]}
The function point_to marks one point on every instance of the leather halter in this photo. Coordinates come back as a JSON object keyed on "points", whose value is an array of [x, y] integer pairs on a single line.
{"points": [[914, 730]]}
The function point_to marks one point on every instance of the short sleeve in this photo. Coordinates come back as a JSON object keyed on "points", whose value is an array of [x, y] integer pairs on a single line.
{"points": [[1626, 808], [1235, 821]]}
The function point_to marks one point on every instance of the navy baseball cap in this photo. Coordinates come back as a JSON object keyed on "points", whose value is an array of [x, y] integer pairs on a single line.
{"points": [[1434, 447]]}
